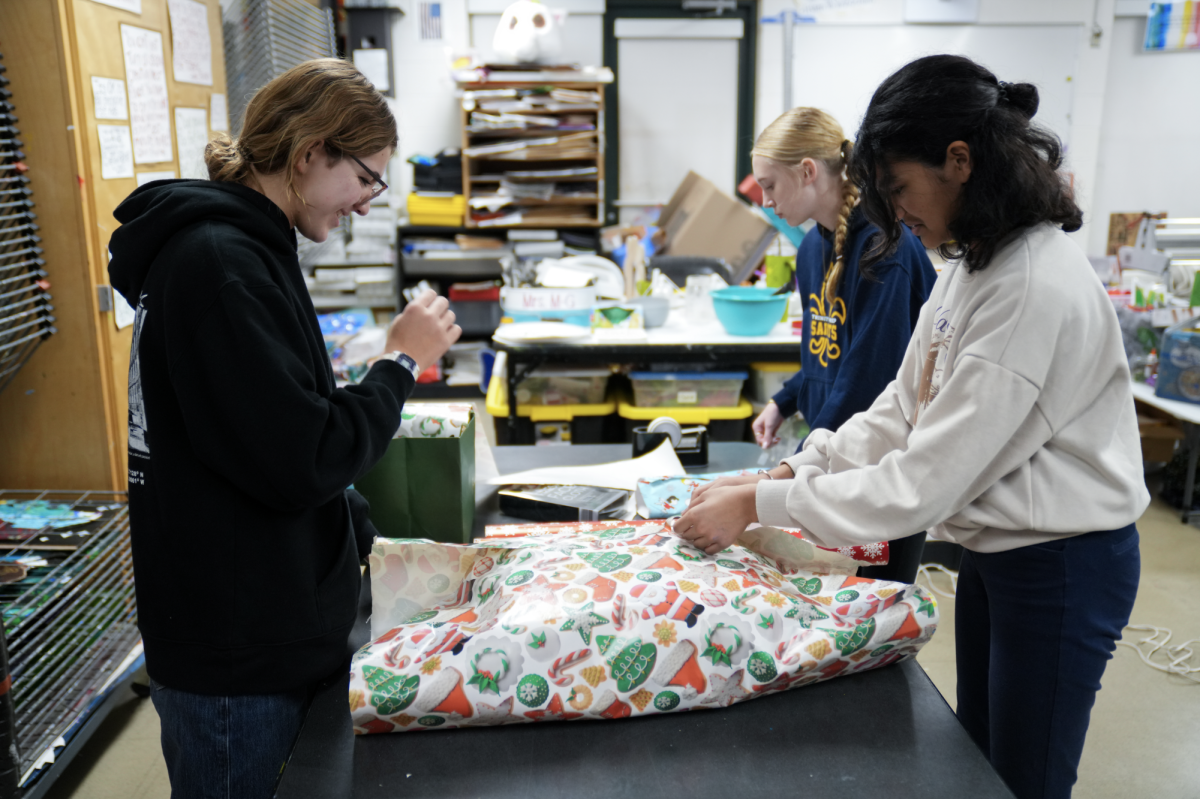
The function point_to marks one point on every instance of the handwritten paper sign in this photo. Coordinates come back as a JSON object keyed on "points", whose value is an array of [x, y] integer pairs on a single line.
{"points": [[191, 134], [149, 177], [125, 5], [149, 112], [116, 152], [109, 97], [219, 112], [191, 46]]}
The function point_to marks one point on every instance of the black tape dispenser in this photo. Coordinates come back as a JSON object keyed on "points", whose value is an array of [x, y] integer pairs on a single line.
{"points": [[690, 443]]}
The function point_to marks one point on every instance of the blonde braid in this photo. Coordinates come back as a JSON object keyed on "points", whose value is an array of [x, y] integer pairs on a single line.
{"points": [[849, 200]]}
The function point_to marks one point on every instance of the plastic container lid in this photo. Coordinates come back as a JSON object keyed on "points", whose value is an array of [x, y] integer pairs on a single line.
{"points": [[763, 366], [688, 375], [551, 371]]}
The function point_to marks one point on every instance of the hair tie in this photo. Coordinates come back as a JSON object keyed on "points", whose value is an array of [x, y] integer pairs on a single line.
{"points": [[1002, 92]]}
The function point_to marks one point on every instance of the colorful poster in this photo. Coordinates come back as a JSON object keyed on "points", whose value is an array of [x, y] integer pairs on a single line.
{"points": [[1173, 26], [149, 109]]}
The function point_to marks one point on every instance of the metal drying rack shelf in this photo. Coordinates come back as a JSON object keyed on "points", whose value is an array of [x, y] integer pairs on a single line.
{"points": [[26, 315], [71, 625]]}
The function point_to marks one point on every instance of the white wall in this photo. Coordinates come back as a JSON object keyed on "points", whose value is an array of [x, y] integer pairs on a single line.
{"points": [[1148, 154], [1089, 79]]}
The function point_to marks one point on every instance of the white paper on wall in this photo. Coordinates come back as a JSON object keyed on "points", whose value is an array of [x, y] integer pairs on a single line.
{"points": [[218, 113], [123, 313], [373, 64], [149, 177], [125, 5], [108, 94], [191, 45], [191, 134], [146, 79], [116, 152]]}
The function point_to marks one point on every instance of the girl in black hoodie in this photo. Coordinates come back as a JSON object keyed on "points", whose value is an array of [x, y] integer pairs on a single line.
{"points": [[246, 554]]}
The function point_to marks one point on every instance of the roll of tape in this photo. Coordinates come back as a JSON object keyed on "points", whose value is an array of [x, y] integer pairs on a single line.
{"points": [[665, 424]]}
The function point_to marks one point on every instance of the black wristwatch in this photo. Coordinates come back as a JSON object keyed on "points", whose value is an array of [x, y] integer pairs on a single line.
{"points": [[405, 361]]}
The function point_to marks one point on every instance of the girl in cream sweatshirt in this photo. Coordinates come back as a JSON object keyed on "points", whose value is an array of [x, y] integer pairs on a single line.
{"points": [[1010, 427]]}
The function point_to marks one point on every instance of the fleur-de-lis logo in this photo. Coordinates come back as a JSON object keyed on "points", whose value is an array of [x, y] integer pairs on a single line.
{"points": [[823, 324]]}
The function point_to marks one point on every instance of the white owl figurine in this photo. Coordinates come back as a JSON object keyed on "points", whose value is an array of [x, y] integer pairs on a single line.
{"points": [[529, 33]]}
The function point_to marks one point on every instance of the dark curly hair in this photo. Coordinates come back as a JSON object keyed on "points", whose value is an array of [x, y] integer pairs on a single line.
{"points": [[1015, 181]]}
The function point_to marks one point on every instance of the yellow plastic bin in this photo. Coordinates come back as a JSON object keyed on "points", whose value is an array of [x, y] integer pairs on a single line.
{"points": [[588, 422], [445, 211], [724, 424], [767, 378]]}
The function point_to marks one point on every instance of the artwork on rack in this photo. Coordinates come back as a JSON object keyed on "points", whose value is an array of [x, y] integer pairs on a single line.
{"points": [[191, 44], [108, 95], [191, 134], [125, 5], [116, 152], [1173, 26], [146, 81]]}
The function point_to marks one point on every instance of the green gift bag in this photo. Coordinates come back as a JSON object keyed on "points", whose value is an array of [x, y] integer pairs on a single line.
{"points": [[424, 487]]}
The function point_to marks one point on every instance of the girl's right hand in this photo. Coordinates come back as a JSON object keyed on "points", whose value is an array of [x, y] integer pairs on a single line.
{"points": [[767, 425], [425, 330]]}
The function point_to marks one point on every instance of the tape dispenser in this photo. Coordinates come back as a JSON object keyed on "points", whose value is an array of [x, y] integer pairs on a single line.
{"points": [[690, 443]]}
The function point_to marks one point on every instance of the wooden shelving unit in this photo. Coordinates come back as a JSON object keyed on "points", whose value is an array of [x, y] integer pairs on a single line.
{"points": [[579, 146]]}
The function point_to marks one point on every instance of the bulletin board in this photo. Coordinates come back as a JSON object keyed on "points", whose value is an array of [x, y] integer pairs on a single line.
{"points": [[101, 52]]}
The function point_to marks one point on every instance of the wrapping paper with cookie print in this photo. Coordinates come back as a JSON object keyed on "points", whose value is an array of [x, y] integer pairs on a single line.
{"points": [[615, 622], [434, 420]]}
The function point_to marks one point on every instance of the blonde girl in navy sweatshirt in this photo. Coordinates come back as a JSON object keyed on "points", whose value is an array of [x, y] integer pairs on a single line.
{"points": [[857, 321]]}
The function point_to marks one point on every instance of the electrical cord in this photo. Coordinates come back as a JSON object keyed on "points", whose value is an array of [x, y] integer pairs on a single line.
{"points": [[926, 571], [1177, 656]]}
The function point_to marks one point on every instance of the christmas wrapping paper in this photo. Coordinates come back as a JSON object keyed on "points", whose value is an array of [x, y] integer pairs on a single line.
{"points": [[434, 420], [613, 621]]}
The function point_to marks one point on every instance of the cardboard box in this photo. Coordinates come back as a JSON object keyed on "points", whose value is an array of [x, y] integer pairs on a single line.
{"points": [[702, 220], [1159, 431]]}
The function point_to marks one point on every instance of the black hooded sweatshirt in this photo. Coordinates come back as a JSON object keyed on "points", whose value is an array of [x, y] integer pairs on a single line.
{"points": [[240, 447]]}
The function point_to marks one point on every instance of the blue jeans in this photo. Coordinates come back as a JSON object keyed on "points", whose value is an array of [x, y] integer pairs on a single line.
{"points": [[227, 747], [1034, 629]]}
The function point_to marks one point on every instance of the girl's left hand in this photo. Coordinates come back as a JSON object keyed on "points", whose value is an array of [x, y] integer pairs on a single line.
{"points": [[714, 520]]}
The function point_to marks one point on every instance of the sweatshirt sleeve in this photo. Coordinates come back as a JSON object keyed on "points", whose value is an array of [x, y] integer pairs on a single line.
{"points": [[788, 397], [844, 497], [255, 413], [883, 323]]}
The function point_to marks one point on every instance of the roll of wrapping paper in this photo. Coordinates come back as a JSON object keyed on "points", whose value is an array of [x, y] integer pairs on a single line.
{"points": [[9, 759]]}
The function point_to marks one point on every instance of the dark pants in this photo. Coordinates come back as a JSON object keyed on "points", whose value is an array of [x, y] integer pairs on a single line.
{"points": [[904, 558], [227, 747], [1034, 629]]}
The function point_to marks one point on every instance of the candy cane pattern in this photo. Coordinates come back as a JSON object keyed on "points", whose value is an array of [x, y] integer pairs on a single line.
{"points": [[619, 617], [565, 662], [781, 654], [739, 603]]}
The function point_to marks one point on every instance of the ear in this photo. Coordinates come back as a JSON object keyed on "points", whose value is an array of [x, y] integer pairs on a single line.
{"points": [[958, 161], [308, 158], [808, 171]]}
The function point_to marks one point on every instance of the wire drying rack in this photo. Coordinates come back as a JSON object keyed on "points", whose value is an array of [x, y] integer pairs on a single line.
{"points": [[71, 624], [26, 315], [265, 38]]}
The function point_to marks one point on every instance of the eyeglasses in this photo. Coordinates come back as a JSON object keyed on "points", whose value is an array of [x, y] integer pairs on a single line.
{"points": [[374, 177]]}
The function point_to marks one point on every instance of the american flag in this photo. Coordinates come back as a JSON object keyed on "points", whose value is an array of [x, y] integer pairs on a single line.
{"points": [[431, 20]]}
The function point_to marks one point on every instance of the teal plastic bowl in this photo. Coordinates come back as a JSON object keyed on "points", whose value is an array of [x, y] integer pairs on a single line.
{"points": [[748, 311]]}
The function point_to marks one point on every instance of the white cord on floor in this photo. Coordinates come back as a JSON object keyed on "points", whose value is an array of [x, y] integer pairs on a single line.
{"points": [[1177, 656], [926, 571]]}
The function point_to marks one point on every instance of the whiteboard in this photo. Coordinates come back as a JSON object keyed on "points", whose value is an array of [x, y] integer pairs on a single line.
{"points": [[838, 67]]}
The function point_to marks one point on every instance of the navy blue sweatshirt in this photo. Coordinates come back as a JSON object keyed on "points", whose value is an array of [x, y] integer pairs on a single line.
{"points": [[852, 349], [240, 447]]}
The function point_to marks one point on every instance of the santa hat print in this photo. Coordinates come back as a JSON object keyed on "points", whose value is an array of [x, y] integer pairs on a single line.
{"points": [[444, 694], [681, 668]]}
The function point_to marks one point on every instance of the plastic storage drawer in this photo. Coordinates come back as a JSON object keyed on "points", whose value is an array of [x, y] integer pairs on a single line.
{"points": [[766, 379], [724, 424], [552, 386], [590, 424], [687, 389]]}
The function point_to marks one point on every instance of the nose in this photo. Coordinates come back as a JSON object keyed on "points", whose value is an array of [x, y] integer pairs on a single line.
{"points": [[768, 201], [363, 206]]}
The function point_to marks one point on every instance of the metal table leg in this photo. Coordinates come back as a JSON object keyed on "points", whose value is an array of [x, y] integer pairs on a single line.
{"points": [[1192, 440]]}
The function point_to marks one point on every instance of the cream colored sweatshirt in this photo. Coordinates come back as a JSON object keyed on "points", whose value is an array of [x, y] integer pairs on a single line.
{"points": [[1010, 423]]}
